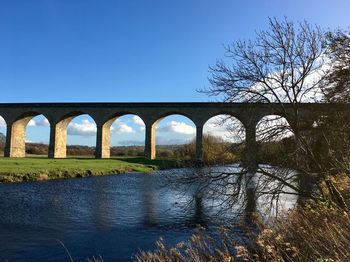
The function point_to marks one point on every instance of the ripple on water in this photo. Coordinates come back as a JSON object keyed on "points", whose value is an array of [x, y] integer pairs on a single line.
{"points": [[112, 216]]}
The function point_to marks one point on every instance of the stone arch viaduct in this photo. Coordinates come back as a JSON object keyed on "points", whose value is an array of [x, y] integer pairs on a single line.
{"points": [[59, 116]]}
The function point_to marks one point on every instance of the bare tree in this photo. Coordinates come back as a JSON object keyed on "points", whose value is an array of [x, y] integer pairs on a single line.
{"points": [[274, 67], [287, 63]]}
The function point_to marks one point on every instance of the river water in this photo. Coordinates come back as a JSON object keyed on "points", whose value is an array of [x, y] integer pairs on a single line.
{"points": [[111, 216]]}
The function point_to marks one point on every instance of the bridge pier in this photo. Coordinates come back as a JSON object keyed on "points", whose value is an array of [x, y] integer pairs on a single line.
{"points": [[16, 138], [103, 140], [150, 142], [199, 145], [251, 163], [250, 155], [58, 139]]}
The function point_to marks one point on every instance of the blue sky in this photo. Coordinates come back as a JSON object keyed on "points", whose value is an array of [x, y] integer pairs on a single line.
{"points": [[119, 51]]}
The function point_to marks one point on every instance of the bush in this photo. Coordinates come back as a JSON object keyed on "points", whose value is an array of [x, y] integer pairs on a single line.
{"points": [[37, 149], [215, 151], [127, 151], [77, 150]]}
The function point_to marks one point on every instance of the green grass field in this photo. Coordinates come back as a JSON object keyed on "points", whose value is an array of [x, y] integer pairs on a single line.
{"points": [[35, 168]]}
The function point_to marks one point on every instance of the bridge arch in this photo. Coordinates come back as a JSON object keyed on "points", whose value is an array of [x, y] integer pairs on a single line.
{"points": [[223, 136], [37, 135], [16, 133], [185, 128], [105, 131], [58, 134], [274, 137], [165, 114], [226, 113], [226, 126], [273, 128]]}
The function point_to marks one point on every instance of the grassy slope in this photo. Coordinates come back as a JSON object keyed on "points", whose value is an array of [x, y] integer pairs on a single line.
{"points": [[42, 168]]}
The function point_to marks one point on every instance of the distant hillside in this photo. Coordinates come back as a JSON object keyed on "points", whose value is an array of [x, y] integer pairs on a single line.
{"points": [[2, 138]]}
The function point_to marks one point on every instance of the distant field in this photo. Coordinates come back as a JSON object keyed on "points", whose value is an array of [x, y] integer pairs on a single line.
{"points": [[41, 168]]}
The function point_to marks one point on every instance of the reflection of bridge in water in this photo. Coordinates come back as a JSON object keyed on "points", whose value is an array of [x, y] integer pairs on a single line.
{"points": [[59, 115]]}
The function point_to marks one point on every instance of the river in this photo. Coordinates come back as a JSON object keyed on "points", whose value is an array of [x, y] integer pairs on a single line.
{"points": [[109, 216]]}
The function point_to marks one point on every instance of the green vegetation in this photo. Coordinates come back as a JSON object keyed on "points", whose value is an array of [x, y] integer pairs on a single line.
{"points": [[80, 161], [215, 150], [42, 168]]}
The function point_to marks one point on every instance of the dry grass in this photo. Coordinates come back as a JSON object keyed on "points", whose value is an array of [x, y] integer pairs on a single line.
{"points": [[313, 234]]}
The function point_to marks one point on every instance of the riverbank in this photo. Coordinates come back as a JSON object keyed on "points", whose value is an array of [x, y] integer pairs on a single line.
{"points": [[42, 168]]}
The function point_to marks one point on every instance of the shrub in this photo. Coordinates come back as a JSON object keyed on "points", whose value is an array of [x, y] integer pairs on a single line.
{"points": [[215, 151]]}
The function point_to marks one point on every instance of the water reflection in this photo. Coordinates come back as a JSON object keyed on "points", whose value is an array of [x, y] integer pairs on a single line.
{"points": [[234, 191], [149, 205], [199, 215], [116, 216], [250, 194], [101, 211]]}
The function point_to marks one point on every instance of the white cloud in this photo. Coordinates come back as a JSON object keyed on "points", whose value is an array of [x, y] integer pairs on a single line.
{"points": [[308, 90], [138, 121], [178, 127], [225, 127], [41, 122], [273, 127], [214, 127], [2, 122], [85, 128], [31, 122], [121, 127]]}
